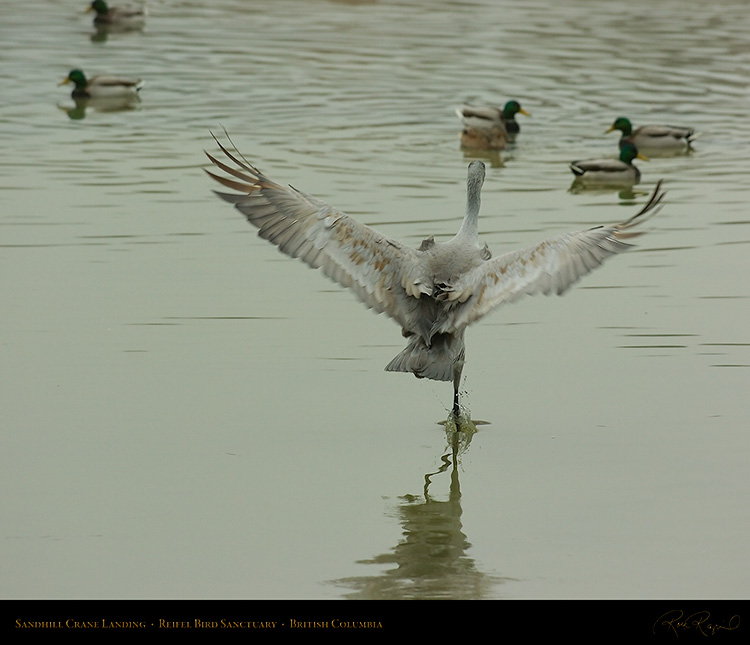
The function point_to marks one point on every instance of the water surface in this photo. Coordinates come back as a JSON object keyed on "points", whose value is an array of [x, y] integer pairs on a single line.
{"points": [[188, 414]]}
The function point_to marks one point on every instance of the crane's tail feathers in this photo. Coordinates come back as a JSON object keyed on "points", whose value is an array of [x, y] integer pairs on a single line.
{"points": [[419, 365], [441, 361]]}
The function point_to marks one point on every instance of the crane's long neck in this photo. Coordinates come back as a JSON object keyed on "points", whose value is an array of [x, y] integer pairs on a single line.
{"points": [[475, 180]]}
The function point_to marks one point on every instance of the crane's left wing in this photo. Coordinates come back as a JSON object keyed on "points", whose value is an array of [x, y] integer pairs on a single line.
{"points": [[382, 272], [551, 266]]}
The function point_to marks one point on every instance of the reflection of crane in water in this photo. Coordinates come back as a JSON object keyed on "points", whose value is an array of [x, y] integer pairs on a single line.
{"points": [[459, 438], [434, 291], [431, 559]]}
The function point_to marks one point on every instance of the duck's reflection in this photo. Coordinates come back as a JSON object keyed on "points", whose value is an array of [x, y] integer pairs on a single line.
{"points": [[492, 158], [624, 192], [431, 560], [114, 104], [102, 33]]}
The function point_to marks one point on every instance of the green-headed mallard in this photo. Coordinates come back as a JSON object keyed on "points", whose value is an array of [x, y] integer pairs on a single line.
{"points": [[653, 137], [120, 16], [102, 87], [478, 118], [610, 171]]}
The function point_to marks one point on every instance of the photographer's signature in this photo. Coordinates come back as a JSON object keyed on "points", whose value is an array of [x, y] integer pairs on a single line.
{"points": [[699, 622]]}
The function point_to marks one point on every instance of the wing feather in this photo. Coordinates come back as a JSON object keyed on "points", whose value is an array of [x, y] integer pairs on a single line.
{"points": [[380, 270], [664, 131], [551, 266], [483, 113]]}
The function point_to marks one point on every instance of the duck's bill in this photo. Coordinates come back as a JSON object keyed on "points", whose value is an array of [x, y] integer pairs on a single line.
{"points": [[524, 112], [65, 81], [641, 156]]}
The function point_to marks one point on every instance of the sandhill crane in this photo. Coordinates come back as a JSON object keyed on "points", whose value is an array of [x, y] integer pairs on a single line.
{"points": [[435, 291]]}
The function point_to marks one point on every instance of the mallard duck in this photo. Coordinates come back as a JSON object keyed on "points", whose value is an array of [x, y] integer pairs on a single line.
{"points": [[102, 87], [610, 171], [435, 291], [664, 137], [488, 117], [120, 16], [484, 138]]}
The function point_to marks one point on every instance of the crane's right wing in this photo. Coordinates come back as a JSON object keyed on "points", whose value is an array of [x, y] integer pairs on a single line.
{"points": [[551, 266]]}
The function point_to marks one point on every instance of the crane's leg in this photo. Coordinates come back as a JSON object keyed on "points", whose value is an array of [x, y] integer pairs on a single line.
{"points": [[457, 369]]}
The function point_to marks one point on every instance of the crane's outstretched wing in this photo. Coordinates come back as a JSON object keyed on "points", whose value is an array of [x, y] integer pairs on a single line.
{"points": [[548, 267], [382, 272]]}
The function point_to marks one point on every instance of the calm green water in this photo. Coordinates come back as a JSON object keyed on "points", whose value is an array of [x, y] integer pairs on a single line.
{"points": [[189, 414]]}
